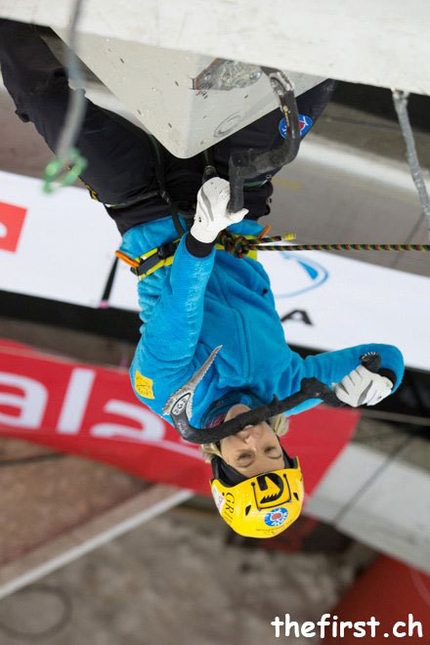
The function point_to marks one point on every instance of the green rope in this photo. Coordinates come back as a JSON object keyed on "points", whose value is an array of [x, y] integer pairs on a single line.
{"points": [[239, 246]]}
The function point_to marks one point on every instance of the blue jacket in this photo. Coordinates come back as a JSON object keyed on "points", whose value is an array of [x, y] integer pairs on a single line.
{"points": [[196, 304]]}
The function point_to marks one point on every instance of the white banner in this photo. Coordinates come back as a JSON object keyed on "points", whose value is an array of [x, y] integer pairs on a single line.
{"points": [[57, 246], [329, 302], [64, 249]]}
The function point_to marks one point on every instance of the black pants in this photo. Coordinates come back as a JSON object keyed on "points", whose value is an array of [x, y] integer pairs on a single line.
{"points": [[121, 161]]}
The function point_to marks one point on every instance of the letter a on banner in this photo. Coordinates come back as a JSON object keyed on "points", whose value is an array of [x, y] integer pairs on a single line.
{"points": [[30, 406], [151, 427]]}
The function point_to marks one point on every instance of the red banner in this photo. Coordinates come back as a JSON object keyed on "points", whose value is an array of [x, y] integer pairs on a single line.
{"points": [[92, 411], [11, 222]]}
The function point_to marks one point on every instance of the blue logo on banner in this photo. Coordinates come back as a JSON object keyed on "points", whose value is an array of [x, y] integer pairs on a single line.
{"points": [[305, 125], [303, 275], [276, 517]]}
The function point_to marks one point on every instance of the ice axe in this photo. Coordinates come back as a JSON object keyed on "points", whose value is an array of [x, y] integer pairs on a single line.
{"points": [[179, 405], [248, 164]]}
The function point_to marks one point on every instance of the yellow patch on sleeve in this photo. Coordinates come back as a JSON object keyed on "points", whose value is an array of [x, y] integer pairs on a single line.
{"points": [[143, 386]]}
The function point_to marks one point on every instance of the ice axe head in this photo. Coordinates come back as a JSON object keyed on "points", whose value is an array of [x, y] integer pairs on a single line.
{"points": [[180, 404]]}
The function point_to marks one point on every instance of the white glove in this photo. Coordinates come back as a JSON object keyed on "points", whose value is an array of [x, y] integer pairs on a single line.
{"points": [[362, 387], [211, 213]]}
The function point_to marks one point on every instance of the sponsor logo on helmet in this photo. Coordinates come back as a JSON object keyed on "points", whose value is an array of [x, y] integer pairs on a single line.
{"points": [[269, 489], [305, 123], [228, 507], [276, 517]]}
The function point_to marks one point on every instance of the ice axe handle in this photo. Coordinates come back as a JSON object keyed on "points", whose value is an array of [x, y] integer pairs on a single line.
{"points": [[209, 173], [236, 194], [236, 187], [372, 362], [238, 169], [249, 164]]}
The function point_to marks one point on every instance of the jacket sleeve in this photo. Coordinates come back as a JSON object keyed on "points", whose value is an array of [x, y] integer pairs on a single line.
{"points": [[164, 355], [331, 367]]}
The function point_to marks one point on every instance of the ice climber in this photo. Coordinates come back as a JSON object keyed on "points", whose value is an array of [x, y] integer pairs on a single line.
{"points": [[194, 297]]}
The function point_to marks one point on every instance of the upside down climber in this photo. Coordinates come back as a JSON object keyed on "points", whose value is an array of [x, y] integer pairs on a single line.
{"points": [[193, 295]]}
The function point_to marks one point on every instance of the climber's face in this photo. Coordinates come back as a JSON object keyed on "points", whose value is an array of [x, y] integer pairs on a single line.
{"points": [[254, 449]]}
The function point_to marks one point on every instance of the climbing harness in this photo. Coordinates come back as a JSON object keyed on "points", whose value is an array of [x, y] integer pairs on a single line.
{"points": [[152, 260], [163, 255]]}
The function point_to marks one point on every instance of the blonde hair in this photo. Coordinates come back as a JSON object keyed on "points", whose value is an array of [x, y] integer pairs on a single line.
{"points": [[279, 425]]}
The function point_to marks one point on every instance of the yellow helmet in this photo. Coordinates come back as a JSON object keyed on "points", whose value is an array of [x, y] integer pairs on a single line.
{"points": [[262, 506]]}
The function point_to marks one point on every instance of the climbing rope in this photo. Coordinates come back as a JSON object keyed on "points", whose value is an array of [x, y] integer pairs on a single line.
{"points": [[344, 247], [240, 246]]}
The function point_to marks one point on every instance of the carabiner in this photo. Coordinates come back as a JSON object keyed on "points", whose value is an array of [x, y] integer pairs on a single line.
{"points": [[63, 171]]}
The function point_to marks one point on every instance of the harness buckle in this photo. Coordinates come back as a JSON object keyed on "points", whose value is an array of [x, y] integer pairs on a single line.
{"points": [[166, 250], [156, 259]]}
